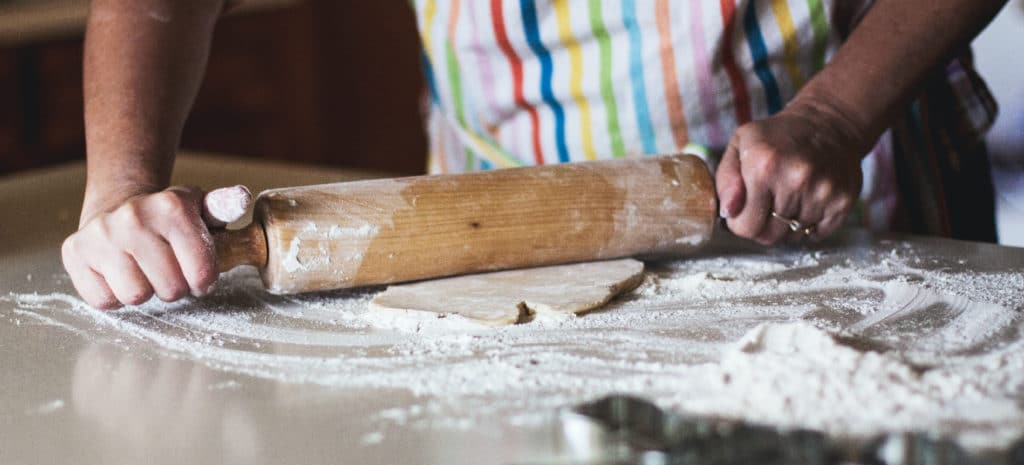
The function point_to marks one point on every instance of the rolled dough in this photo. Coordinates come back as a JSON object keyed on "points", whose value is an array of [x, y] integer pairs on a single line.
{"points": [[514, 296]]}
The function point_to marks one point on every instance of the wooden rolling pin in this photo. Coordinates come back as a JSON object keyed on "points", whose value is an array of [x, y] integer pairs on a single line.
{"points": [[391, 230]]}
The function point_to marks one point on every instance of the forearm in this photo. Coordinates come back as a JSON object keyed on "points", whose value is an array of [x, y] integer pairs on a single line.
{"points": [[143, 64], [878, 70]]}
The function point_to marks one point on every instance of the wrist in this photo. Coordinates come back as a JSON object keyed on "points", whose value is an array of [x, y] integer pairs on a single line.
{"points": [[854, 128], [114, 176], [102, 196]]}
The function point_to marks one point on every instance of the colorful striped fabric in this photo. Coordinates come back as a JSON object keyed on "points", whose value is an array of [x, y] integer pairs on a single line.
{"points": [[522, 82], [518, 82]]}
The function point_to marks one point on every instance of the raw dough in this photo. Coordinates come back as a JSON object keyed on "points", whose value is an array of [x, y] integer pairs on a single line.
{"points": [[515, 296]]}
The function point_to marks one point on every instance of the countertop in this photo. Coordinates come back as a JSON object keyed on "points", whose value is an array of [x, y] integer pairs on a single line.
{"points": [[161, 386]]}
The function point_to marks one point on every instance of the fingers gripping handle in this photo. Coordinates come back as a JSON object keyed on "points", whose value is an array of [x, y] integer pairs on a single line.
{"points": [[246, 246]]}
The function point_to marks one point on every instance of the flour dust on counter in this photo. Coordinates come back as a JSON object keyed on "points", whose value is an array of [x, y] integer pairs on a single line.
{"points": [[852, 344]]}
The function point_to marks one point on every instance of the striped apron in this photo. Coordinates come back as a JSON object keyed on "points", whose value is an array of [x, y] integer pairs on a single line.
{"points": [[525, 82]]}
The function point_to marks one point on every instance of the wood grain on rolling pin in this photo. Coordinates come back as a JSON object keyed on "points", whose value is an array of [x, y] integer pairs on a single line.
{"points": [[385, 231]]}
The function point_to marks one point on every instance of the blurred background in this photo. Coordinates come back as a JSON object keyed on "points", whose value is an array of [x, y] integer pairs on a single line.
{"points": [[339, 83], [319, 81], [999, 58]]}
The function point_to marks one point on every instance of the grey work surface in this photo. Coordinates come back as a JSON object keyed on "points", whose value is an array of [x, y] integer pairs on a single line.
{"points": [[69, 398]]}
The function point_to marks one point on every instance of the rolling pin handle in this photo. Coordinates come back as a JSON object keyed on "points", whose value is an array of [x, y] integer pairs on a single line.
{"points": [[236, 247]]}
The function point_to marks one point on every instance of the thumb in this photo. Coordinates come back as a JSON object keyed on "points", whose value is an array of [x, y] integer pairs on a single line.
{"points": [[732, 193], [225, 205]]}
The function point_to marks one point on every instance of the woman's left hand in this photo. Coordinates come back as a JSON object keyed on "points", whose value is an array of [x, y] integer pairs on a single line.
{"points": [[802, 165]]}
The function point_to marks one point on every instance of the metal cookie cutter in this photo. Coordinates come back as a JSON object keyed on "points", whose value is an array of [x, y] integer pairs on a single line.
{"points": [[630, 430]]}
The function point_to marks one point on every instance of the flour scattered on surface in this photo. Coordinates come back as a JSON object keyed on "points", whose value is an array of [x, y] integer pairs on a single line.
{"points": [[888, 342], [47, 408], [225, 385], [372, 438]]}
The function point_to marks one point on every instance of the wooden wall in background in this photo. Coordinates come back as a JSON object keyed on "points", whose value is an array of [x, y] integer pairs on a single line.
{"points": [[373, 84], [327, 82], [41, 117], [11, 118]]}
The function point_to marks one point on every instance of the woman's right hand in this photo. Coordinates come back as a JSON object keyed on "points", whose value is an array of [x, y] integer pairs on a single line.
{"points": [[149, 244]]}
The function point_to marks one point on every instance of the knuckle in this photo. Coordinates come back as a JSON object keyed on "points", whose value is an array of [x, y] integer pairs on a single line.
{"points": [[766, 161], [132, 215], [799, 174], [753, 131], [825, 188], [103, 302], [766, 164], [125, 219], [173, 292], [138, 296], [205, 275], [88, 234], [69, 246], [743, 134], [168, 203], [846, 202]]}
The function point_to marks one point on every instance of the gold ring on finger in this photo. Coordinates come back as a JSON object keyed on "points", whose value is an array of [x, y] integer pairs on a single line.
{"points": [[794, 225]]}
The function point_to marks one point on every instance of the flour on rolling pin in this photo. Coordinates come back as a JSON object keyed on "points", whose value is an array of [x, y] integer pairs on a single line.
{"points": [[325, 237], [226, 205]]}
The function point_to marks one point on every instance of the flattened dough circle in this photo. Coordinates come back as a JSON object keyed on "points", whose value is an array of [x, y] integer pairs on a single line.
{"points": [[514, 296]]}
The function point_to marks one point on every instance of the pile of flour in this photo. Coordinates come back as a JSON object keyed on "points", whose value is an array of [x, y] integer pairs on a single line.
{"points": [[850, 347]]}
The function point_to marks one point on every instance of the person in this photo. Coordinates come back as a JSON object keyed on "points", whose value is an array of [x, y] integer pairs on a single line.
{"points": [[813, 105]]}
